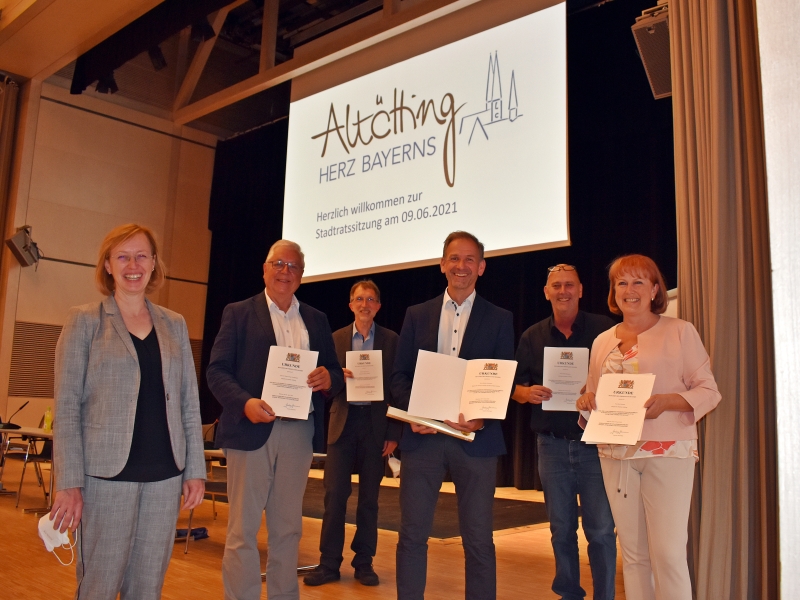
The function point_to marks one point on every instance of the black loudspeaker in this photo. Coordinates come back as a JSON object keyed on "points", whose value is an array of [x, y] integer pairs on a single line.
{"points": [[24, 248], [651, 32]]}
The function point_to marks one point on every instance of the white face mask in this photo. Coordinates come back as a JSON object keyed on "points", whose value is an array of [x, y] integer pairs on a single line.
{"points": [[53, 538], [394, 465]]}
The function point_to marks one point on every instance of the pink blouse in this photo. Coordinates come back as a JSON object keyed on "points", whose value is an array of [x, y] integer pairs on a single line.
{"points": [[672, 350]]}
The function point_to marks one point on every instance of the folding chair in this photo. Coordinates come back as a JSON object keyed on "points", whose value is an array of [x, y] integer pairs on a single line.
{"points": [[212, 487], [45, 456]]}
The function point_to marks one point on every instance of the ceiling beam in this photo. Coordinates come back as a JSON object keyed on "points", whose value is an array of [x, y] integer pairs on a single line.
{"points": [[201, 55], [13, 18], [335, 21], [269, 35], [39, 37], [384, 29], [390, 7]]}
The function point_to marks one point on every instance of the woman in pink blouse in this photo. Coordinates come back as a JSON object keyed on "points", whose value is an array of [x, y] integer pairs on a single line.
{"points": [[649, 484]]}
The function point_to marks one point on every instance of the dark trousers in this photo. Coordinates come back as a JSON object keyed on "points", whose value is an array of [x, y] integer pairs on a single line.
{"points": [[354, 452], [421, 474]]}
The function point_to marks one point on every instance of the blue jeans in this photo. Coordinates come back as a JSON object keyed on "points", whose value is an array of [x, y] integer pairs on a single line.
{"points": [[568, 469]]}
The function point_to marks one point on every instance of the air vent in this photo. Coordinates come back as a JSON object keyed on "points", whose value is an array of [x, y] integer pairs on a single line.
{"points": [[32, 360]]}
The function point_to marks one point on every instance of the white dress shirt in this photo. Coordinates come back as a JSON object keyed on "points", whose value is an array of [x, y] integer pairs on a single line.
{"points": [[453, 324], [290, 330]]}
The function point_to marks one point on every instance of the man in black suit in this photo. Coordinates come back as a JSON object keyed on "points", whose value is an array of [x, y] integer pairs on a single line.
{"points": [[268, 456], [359, 437], [459, 323]]}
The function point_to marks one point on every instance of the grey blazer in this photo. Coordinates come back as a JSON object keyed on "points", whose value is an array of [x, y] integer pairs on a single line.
{"points": [[97, 386]]}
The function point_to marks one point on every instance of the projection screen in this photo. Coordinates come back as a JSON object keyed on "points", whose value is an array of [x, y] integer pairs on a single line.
{"points": [[470, 136]]}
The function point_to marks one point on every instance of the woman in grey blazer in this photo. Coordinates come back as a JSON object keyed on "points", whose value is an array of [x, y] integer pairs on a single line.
{"points": [[128, 438]]}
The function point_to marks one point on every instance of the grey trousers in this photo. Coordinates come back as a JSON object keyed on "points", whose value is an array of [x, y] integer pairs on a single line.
{"points": [[272, 479], [125, 538], [421, 474]]}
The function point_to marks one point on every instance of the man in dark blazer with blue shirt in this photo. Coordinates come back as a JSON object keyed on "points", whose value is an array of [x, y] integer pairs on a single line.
{"points": [[459, 323], [360, 436], [268, 456]]}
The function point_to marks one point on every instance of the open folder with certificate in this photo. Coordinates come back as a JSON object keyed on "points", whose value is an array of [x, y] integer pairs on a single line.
{"points": [[445, 386], [285, 388], [619, 417]]}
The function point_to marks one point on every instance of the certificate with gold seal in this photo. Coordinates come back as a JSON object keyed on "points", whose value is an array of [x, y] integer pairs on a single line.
{"points": [[619, 417], [564, 373], [285, 388], [366, 384]]}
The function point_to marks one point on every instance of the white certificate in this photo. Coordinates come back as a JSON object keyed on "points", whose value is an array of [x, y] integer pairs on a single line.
{"points": [[366, 385], [285, 388], [564, 372], [445, 386], [619, 417]]}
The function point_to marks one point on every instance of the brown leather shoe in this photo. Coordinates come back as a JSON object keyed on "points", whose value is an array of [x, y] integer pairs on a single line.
{"points": [[321, 575], [367, 576]]}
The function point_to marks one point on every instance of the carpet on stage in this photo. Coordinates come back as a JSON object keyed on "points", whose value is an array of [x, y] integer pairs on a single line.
{"points": [[507, 513]]}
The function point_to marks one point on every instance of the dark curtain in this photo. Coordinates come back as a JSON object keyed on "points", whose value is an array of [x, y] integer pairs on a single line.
{"points": [[245, 217], [622, 200]]}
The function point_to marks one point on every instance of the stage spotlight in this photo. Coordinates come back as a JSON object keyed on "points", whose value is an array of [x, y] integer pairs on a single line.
{"points": [[157, 58], [106, 84], [202, 31]]}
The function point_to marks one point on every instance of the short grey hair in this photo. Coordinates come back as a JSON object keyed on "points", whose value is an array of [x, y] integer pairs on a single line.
{"points": [[286, 244]]}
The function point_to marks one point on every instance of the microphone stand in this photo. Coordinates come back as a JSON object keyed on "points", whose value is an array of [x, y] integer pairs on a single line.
{"points": [[9, 424]]}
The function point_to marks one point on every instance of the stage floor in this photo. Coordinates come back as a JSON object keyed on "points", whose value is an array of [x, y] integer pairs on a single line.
{"points": [[525, 564]]}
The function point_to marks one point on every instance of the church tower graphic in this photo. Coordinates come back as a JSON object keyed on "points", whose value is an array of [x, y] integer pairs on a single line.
{"points": [[494, 90], [498, 109]]}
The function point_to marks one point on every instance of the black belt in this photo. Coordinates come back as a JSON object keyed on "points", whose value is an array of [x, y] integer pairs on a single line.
{"points": [[289, 419]]}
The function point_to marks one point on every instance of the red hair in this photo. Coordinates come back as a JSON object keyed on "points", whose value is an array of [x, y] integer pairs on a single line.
{"points": [[642, 266]]}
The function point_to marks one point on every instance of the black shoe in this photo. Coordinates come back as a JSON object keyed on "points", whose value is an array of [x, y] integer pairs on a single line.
{"points": [[367, 576], [321, 575]]}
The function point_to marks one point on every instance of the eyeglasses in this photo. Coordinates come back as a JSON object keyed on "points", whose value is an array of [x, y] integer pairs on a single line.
{"points": [[278, 265], [124, 259], [555, 268], [369, 300]]}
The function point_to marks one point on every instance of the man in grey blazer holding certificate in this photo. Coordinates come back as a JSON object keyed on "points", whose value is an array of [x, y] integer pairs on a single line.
{"points": [[268, 456], [459, 323]]}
